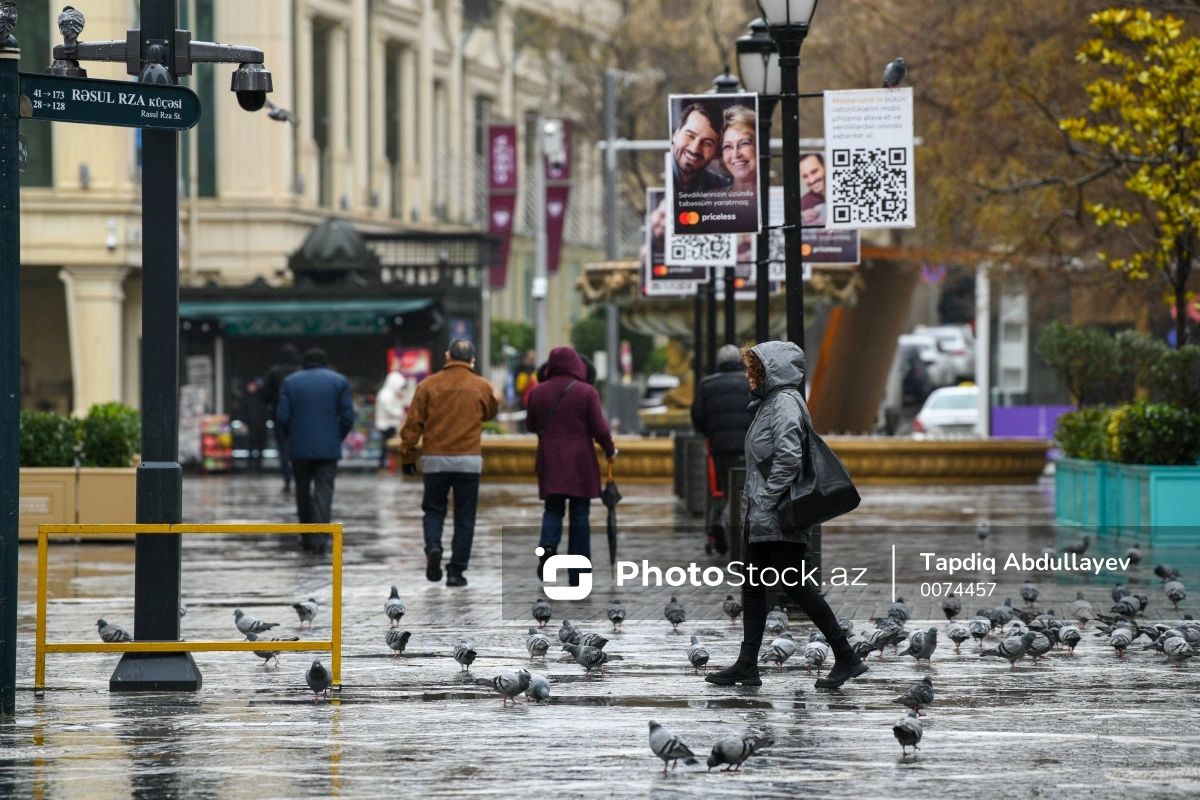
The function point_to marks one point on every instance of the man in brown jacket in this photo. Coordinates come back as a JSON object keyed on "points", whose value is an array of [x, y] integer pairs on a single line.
{"points": [[446, 417]]}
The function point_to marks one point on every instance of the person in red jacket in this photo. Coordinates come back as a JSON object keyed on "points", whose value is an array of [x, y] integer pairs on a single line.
{"points": [[564, 411]]}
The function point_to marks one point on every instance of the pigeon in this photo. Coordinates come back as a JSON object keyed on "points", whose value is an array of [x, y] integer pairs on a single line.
{"points": [[393, 607], [70, 25], [267, 655], [591, 640], [1134, 555], [674, 613], [779, 615], [847, 625], [734, 750], [1178, 650], [980, 627], [1120, 639], [917, 696], [667, 746], [1078, 548], [1013, 648], [248, 624], [307, 611], [1029, 593], [1040, 645], [539, 689], [894, 73], [1118, 591], [774, 626], [589, 658], [616, 614], [1070, 636], [282, 114], [508, 684], [182, 609], [859, 644], [921, 645], [1166, 572], [8, 19], [567, 633], [397, 640], [1175, 592], [1081, 609], [899, 611], [951, 606], [1128, 605], [732, 608], [464, 654], [1049, 550], [908, 732], [1159, 643], [816, 652], [780, 650], [886, 632], [537, 644], [318, 679], [112, 634], [958, 634], [982, 530], [541, 612], [697, 655]]}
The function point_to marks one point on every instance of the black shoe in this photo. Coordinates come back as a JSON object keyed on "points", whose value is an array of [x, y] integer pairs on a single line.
{"points": [[543, 558], [455, 579], [433, 565], [719, 541], [843, 670], [743, 671]]}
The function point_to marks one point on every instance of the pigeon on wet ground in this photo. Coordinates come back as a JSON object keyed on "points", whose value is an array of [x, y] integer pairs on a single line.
{"points": [[590, 658], [592, 640], [674, 613], [112, 634], [182, 609], [951, 606], [734, 750], [816, 653], [567, 633], [249, 624], [537, 644], [1070, 636], [616, 614], [464, 654], [1134, 555], [1013, 649], [539, 688], [917, 696], [1178, 650], [846, 624], [921, 645], [1081, 610], [1167, 572], [1120, 639], [668, 747], [1118, 591], [780, 619], [697, 655], [899, 611], [1029, 593], [318, 679], [1128, 606], [908, 732], [780, 650], [1040, 645], [732, 608], [508, 684], [393, 607], [982, 530], [980, 627], [267, 655], [1175, 592], [542, 612], [397, 640], [306, 610], [1077, 547], [958, 633], [1049, 550]]}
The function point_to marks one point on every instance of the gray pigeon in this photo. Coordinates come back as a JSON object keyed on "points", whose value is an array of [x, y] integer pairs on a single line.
{"points": [[1166, 572], [779, 615], [1013, 649], [1081, 609], [542, 612], [464, 654], [248, 624], [1134, 554], [774, 626], [589, 658], [397, 640], [282, 115], [667, 746], [393, 607], [984, 527], [1040, 645], [112, 634], [1175, 592], [894, 73], [980, 627], [306, 610], [537, 644], [958, 634], [917, 696], [182, 608], [591, 640], [1178, 650], [1120, 639], [908, 732], [697, 655], [1029, 592], [1078, 548], [1127, 606], [1118, 591], [674, 613], [70, 25], [882, 636], [846, 624], [1070, 636], [508, 684], [616, 614], [899, 611], [780, 650], [1049, 550], [567, 633], [951, 606], [816, 652], [8, 19], [267, 655], [733, 750], [318, 679], [732, 608], [539, 689], [921, 645]]}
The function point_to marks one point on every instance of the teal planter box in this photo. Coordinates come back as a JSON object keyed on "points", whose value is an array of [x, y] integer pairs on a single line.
{"points": [[1080, 492], [1130, 498]]}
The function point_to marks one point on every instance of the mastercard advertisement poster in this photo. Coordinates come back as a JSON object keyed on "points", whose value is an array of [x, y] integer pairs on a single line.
{"points": [[712, 175], [660, 279]]}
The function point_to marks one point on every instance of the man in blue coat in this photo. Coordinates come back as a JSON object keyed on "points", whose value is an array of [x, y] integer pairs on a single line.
{"points": [[315, 413]]}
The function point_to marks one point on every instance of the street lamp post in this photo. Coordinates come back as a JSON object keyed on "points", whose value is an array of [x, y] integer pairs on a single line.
{"points": [[758, 65], [725, 83]]}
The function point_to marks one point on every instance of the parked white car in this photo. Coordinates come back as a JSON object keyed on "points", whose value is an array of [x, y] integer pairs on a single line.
{"points": [[950, 411], [937, 363], [957, 342]]}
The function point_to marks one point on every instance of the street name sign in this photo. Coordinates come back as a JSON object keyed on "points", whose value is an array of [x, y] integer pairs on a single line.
{"points": [[121, 103]]}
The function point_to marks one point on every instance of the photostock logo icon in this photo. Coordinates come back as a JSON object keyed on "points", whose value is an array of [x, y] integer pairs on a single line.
{"points": [[550, 575]]}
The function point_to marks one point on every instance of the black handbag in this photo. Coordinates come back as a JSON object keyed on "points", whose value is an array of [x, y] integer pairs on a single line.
{"points": [[823, 489]]}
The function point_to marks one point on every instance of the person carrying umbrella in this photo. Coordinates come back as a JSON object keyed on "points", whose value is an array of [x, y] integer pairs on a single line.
{"points": [[564, 411]]}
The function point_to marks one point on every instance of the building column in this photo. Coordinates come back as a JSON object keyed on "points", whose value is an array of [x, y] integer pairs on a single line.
{"points": [[360, 120], [306, 160], [95, 317], [340, 121], [426, 114], [380, 183], [506, 48]]}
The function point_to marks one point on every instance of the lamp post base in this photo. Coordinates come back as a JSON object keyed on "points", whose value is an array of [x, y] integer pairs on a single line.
{"points": [[156, 672]]}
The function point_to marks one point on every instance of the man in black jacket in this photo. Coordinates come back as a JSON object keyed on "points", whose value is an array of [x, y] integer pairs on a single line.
{"points": [[721, 413], [289, 362]]}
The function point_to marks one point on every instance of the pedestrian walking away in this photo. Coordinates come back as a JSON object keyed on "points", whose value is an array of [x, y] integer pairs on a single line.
{"points": [[721, 413], [254, 415], [389, 412], [289, 362], [564, 411], [315, 414], [446, 420], [774, 450]]}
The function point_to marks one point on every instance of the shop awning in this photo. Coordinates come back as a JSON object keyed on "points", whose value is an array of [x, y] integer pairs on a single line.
{"points": [[302, 317]]}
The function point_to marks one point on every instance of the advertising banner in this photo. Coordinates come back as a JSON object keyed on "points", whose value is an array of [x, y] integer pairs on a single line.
{"points": [[659, 278], [819, 246], [695, 250], [869, 158], [502, 195], [558, 187]]}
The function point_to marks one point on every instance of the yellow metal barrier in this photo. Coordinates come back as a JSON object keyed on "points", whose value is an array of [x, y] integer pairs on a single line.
{"points": [[333, 644]]}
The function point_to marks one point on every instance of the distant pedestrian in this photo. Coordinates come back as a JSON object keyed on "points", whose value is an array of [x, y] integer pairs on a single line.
{"points": [[315, 414], [254, 416], [446, 418], [721, 413], [389, 412], [564, 410], [289, 362]]}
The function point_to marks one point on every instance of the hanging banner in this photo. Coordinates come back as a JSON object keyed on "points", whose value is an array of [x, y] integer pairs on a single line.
{"points": [[558, 187], [822, 247], [502, 195], [694, 250], [869, 158], [659, 278]]}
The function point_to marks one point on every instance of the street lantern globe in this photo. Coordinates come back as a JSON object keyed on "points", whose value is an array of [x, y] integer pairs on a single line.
{"points": [[726, 83], [788, 15], [758, 60]]}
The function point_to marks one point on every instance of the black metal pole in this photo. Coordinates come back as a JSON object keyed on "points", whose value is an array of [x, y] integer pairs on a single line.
{"points": [[10, 369], [698, 333], [762, 282], [730, 306], [158, 557], [789, 74], [710, 340]]}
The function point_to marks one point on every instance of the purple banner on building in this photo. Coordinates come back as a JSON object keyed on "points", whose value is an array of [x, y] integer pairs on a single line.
{"points": [[558, 188], [502, 195]]}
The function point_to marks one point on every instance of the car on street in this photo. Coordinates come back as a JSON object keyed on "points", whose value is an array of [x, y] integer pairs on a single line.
{"points": [[957, 342], [952, 410], [657, 385], [937, 363]]}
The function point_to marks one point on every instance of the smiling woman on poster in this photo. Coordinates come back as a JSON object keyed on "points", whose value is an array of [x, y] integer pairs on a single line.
{"points": [[739, 157]]}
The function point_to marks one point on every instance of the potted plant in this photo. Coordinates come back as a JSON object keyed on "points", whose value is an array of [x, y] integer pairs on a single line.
{"points": [[110, 437]]}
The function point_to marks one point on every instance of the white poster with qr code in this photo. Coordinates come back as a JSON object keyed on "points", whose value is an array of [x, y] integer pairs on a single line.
{"points": [[869, 158], [707, 250]]}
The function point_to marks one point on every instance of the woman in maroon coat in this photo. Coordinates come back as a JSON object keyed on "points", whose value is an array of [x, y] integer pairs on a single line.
{"points": [[564, 411]]}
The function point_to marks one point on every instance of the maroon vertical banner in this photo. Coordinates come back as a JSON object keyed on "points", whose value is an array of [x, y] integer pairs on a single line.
{"points": [[558, 187], [502, 195]]}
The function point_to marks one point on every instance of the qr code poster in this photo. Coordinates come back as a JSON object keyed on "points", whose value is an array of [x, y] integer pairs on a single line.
{"points": [[709, 250], [869, 159], [817, 245], [658, 278]]}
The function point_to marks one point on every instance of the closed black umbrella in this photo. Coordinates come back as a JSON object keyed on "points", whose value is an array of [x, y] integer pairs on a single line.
{"points": [[610, 497]]}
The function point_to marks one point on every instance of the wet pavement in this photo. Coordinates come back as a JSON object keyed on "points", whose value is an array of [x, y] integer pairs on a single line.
{"points": [[414, 726]]}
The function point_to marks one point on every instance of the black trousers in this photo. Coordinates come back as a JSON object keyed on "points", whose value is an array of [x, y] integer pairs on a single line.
{"points": [[782, 556], [385, 435]]}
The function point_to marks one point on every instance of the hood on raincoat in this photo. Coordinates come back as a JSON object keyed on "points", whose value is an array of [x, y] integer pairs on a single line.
{"points": [[565, 361], [784, 365]]}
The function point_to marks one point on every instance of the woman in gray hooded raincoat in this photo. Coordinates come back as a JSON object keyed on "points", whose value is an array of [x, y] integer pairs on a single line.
{"points": [[774, 450]]}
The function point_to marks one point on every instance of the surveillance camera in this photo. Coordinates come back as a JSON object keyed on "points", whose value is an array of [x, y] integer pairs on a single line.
{"points": [[251, 83]]}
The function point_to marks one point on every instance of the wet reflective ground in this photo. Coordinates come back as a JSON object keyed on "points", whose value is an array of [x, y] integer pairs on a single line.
{"points": [[1094, 725]]}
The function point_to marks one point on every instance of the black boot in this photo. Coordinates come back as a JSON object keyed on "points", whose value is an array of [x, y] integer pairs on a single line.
{"points": [[543, 558], [719, 540], [846, 665], [743, 671]]}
